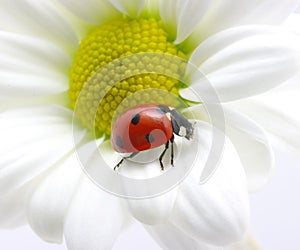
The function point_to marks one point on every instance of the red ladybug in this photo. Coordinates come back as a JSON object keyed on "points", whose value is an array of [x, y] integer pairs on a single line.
{"points": [[149, 126]]}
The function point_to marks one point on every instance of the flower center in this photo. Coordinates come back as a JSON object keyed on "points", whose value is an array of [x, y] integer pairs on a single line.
{"points": [[106, 44]]}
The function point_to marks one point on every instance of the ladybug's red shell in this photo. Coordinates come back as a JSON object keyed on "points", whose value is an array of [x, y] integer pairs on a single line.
{"points": [[140, 128]]}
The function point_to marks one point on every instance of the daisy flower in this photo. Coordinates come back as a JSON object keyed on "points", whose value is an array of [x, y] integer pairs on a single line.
{"points": [[64, 59]]}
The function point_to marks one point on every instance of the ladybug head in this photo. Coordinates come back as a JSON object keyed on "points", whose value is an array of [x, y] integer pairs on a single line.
{"points": [[190, 131], [181, 125]]}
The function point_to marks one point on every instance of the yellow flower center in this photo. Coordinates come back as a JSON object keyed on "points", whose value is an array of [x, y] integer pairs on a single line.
{"points": [[104, 45]]}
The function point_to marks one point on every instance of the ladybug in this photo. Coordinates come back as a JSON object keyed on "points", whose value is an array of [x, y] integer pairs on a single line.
{"points": [[149, 126]]}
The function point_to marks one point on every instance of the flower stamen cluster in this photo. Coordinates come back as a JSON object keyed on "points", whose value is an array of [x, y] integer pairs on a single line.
{"points": [[108, 43]]}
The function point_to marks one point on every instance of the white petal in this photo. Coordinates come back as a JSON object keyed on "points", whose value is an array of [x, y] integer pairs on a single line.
{"points": [[144, 167], [218, 42], [238, 65], [180, 17], [226, 14], [92, 11], [94, 220], [147, 210], [189, 16], [253, 147], [250, 141], [293, 23], [31, 67], [153, 211], [170, 237], [278, 112], [49, 202], [20, 84], [168, 13], [151, 9], [37, 18], [216, 212], [9, 103], [247, 243], [33, 139], [13, 207], [131, 8]]}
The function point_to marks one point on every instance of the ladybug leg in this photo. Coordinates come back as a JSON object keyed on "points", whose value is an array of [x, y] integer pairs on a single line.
{"points": [[162, 155], [127, 157], [119, 164], [172, 150]]}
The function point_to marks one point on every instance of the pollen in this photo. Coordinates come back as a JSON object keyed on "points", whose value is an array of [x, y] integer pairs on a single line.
{"points": [[98, 95]]}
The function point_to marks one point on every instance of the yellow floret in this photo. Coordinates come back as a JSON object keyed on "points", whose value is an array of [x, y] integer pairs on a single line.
{"points": [[104, 45]]}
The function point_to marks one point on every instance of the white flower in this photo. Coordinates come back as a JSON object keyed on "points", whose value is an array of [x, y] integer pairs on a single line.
{"points": [[41, 182]]}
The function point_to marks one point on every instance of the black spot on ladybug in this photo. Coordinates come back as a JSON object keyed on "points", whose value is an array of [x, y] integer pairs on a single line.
{"points": [[119, 142], [163, 109], [135, 119], [150, 138]]}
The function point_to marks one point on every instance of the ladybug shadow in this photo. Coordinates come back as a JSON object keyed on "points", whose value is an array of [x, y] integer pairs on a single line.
{"points": [[146, 164]]}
